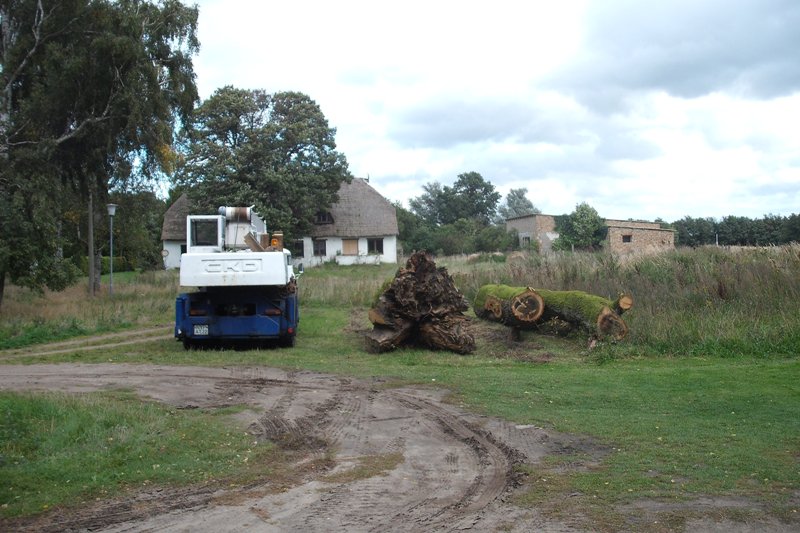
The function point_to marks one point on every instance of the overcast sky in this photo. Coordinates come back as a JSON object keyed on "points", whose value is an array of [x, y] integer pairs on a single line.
{"points": [[643, 109]]}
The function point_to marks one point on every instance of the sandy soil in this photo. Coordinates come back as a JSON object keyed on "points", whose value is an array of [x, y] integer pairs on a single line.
{"points": [[448, 470]]}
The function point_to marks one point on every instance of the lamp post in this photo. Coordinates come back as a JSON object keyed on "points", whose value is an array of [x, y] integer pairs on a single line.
{"points": [[112, 208]]}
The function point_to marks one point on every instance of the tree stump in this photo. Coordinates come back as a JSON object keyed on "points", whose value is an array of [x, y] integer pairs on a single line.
{"points": [[420, 305]]}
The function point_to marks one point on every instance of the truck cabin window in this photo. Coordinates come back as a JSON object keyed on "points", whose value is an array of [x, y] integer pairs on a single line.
{"points": [[204, 233]]}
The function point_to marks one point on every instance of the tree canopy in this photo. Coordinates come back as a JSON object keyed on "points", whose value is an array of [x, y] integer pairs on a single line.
{"points": [[274, 151], [470, 197], [516, 204], [583, 229], [90, 91]]}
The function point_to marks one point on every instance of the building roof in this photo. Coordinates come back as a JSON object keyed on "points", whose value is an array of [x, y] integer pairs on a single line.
{"points": [[360, 212], [174, 226]]}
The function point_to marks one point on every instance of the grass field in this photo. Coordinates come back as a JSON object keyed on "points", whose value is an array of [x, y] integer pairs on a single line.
{"points": [[714, 413]]}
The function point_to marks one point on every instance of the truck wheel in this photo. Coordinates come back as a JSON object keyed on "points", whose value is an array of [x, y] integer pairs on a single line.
{"points": [[187, 344], [288, 341]]}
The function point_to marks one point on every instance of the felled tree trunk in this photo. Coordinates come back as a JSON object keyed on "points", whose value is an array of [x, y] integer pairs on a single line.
{"points": [[563, 311], [420, 305], [518, 307]]}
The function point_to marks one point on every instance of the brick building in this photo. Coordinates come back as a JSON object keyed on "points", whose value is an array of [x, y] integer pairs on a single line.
{"points": [[624, 236]]}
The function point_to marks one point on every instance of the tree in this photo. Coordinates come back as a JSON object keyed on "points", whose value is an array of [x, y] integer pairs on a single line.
{"points": [[432, 206], [516, 204], [470, 197], [89, 94], [473, 198], [582, 229], [415, 234], [790, 232], [695, 231], [277, 152]]}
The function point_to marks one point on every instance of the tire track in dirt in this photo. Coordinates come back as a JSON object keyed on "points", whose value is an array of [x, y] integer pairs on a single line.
{"points": [[449, 470], [97, 342]]}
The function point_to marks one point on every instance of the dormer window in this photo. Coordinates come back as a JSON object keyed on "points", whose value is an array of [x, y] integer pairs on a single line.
{"points": [[323, 217]]}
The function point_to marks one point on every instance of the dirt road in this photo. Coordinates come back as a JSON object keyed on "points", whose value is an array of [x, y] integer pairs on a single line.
{"points": [[368, 458], [450, 470]]}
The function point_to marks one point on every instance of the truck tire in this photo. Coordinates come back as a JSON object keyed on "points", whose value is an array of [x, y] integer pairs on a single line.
{"points": [[288, 341]]}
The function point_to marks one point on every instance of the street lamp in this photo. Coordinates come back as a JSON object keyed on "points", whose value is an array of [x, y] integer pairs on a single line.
{"points": [[112, 208]]}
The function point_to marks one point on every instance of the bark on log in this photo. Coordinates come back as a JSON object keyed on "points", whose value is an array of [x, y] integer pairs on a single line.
{"points": [[588, 311], [562, 311], [383, 338], [448, 333], [421, 304], [512, 306]]}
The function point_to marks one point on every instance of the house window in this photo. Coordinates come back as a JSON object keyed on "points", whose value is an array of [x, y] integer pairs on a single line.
{"points": [[323, 217], [319, 248], [375, 246], [526, 242], [349, 246], [627, 238]]}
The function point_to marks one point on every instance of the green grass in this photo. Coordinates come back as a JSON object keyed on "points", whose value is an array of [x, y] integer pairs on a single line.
{"points": [[59, 449], [673, 427]]}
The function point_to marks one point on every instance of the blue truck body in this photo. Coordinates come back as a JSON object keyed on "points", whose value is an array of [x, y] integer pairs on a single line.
{"points": [[236, 314]]}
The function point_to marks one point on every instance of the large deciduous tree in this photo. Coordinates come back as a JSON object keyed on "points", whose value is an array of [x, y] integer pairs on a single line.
{"points": [[274, 151], [89, 94], [471, 197], [516, 204], [582, 229]]}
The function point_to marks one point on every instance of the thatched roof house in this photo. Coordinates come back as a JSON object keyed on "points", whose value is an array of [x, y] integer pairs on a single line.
{"points": [[173, 231], [361, 227]]}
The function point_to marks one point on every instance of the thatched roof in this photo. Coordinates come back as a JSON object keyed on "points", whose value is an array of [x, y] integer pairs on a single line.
{"points": [[174, 227], [360, 212]]}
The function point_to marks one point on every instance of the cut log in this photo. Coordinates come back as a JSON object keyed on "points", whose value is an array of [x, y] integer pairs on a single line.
{"points": [[590, 312], [562, 311], [512, 306], [623, 303]]}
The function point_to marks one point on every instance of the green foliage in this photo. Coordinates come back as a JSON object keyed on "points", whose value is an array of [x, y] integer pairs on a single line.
{"points": [[471, 198], [246, 147], [583, 229], [516, 204], [738, 231], [92, 92]]}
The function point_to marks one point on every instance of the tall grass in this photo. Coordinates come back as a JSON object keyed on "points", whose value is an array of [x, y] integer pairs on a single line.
{"points": [[703, 301], [139, 299]]}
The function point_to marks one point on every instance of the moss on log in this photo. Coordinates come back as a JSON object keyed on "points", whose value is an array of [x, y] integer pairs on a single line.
{"points": [[592, 313], [513, 306]]}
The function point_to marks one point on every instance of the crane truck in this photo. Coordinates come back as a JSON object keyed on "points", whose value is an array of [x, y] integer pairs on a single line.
{"points": [[245, 280]]}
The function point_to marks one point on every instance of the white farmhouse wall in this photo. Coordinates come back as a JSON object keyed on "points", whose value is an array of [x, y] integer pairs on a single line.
{"points": [[173, 258], [334, 250]]}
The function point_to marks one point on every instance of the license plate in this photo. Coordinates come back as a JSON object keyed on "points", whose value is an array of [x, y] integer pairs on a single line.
{"points": [[201, 329]]}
